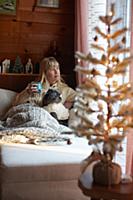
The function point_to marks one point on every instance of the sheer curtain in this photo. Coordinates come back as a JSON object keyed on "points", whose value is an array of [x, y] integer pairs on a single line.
{"points": [[81, 29], [129, 157]]}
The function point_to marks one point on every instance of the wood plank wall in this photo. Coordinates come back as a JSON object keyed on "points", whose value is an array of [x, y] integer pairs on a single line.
{"points": [[30, 32]]}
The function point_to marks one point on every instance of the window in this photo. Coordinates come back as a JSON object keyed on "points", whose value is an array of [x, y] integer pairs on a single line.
{"points": [[98, 8]]}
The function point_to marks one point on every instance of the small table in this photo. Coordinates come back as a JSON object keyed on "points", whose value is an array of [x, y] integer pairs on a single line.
{"points": [[122, 191]]}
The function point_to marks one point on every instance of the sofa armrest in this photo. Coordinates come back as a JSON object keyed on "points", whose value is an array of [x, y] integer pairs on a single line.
{"points": [[6, 99]]}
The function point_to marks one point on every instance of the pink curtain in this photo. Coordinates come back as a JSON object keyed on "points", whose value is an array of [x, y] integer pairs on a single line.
{"points": [[81, 18], [81, 29], [129, 156]]}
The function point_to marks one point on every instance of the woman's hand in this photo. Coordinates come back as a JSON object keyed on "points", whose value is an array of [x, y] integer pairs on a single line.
{"points": [[32, 88]]}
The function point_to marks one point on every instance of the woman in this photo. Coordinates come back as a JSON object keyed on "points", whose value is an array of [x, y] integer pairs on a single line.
{"points": [[50, 78]]}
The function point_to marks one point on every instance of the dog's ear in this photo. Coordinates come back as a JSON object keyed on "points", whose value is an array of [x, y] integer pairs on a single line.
{"points": [[45, 98], [49, 92], [51, 96]]}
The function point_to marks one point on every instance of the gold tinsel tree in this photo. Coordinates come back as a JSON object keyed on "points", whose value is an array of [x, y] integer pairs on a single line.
{"points": [[103, 108]]}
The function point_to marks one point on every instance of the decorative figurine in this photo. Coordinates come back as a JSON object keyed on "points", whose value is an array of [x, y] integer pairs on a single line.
{"points": [[5, 66], [29, 67]]}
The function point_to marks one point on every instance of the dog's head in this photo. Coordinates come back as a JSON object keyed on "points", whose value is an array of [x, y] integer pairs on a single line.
{"points": [[52, 96]]}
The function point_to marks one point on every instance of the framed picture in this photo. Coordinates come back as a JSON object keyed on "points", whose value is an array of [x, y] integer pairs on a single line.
{"points": [[8, 7], [48, 3]]}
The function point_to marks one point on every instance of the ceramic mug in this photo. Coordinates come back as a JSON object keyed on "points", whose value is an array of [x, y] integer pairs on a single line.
{"points": [[37, 86]]}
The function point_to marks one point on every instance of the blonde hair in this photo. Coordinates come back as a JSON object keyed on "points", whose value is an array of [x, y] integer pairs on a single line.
{"points": [[45, 65]]}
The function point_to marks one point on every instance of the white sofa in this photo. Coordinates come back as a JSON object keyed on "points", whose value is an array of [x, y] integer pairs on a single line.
{"points": [[31, 172], [6, 99]]}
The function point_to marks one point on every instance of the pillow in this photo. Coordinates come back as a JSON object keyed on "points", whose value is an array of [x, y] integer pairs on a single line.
{"points": [[6, 99]]}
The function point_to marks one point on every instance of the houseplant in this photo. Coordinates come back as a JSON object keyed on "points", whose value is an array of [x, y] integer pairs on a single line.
{"points": [[103, 104]]}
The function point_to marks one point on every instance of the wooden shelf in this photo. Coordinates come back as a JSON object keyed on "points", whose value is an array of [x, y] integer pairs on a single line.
{"points": [[15, 74], [16, 82]]}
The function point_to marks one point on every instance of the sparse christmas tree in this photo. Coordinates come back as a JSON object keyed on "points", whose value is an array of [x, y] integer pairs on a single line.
{"points": [[103, 104]]}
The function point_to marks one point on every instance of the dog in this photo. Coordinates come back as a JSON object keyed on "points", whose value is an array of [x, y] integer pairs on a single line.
{"points": [[52, 103]]}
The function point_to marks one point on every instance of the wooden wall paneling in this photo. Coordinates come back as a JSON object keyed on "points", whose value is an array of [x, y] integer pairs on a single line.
{"points": [[25, 5], [44, 17], [16, 82], [30, 32]]}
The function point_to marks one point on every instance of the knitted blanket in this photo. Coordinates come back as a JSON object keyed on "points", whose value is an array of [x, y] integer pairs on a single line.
{"points": [[32, 122]]}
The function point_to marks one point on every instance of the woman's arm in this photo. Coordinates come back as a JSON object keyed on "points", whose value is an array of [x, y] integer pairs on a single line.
{"points": [[29, 95], [22, 97]]}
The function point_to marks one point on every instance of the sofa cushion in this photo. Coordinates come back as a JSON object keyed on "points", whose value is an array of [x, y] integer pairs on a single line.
{"points": [[6, 99], [27, 162]]}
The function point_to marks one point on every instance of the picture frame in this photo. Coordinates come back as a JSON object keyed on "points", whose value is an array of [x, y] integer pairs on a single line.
{"points": [[8, 7], [48, 3]]}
